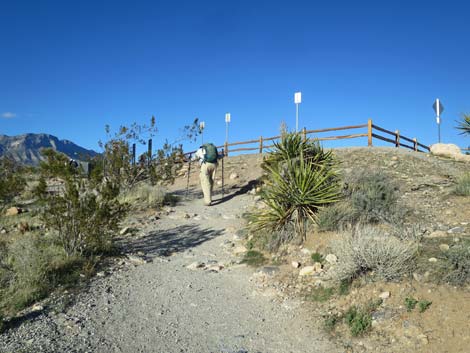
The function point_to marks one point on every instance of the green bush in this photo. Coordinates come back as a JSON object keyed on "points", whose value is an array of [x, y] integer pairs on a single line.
{"points": [[330, 322], [359, 321], [368, 249], [423, 305], [374, 198], [317, 257], [296, 187], [254, 258], [12, 181], [410, 303], [463, 185], [458, 264], [84, 221], [336, 217]]}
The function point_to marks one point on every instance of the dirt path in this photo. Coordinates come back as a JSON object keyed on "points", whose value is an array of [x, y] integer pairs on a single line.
{"points": [[164, 306]]}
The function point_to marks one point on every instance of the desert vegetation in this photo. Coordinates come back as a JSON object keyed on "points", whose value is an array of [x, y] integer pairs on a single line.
{"points": [[58, 222]]}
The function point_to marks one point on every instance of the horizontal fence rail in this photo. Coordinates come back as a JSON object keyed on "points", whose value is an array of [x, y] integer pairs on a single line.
{"points": [[371, 131]]}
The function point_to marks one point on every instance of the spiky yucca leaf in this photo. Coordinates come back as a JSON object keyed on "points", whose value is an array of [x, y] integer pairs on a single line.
{"points": [[294, 192]]}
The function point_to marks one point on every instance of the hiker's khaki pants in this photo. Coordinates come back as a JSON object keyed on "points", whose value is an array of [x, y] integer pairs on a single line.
{"points": [[207, 177]]}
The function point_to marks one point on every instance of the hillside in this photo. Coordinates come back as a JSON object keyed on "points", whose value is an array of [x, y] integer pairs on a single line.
{"points": [[182, 285], [26, 148]]}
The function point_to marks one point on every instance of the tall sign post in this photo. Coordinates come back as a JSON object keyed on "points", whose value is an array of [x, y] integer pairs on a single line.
{"points": [[202, 125], [297, 101], [227, 121], [438, 108]]}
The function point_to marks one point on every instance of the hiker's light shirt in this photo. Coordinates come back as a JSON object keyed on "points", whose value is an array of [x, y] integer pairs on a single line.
{"points": [[200, 153]]}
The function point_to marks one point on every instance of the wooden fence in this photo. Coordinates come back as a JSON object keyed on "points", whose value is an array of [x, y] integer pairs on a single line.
{"points": [[370, 131]]}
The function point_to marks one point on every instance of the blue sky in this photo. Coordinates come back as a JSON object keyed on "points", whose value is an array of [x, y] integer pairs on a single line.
{"points": [[69, 67]]}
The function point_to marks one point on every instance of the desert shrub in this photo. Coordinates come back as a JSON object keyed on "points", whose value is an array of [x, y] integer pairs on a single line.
{"points": [[374, 197], [321, 294], [295, 188], [12, 181], [370, 249], [317, 257], [458, 264], [423, 305], [254, 258], [463, 185], [338, 216], [359, 321], [410, 303], [84, 221], [330, 322], [148, 195]]}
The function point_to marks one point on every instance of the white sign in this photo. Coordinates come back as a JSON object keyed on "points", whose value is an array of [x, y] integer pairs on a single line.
{"points": [[298, 97], [202, 125], [438, 107], [227, 117]]}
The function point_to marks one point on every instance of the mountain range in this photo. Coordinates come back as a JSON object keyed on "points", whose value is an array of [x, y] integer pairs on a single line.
{"points": [[26, 149]]}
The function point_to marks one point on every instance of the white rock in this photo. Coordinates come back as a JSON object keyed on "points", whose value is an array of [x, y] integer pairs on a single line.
{"points": [[444, 247], [317, 267], [125, 230], [384, 295], [239, 250], [295, 264], [136, 260], [331, 258], [195, 265], [432, 259], [306, 251], [233, 176], [307, 270], [449, 150], [37, 307]]}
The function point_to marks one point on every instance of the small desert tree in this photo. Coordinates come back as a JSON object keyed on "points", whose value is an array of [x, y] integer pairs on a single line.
{"points": [[12, 182]]}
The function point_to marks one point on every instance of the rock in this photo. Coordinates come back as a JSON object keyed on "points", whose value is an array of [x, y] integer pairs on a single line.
{"points": [[423, 338], [317, 267], [417, 277], [195, 265], [13, 211], [306, 251], [215, 268], [239, 250], [37, 307], [233, 176], [257, 198], [219, 182], [136, 260], [432, 259], [295, 264], [394, 158], [23, 227], [3, 231], [449, 151], [307, 271], [444, 247], [186, 216], [456, 230], [125, 230], [438, 234], [331, 259], [268, 270], [384, 295], [252, 191]]}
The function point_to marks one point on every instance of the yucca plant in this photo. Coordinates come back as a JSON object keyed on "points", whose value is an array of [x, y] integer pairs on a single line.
{"points": [[292, 146], [464, 125], [294, 191]]}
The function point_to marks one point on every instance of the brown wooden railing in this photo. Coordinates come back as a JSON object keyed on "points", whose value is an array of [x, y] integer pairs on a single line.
{"points": [[392, 137]]}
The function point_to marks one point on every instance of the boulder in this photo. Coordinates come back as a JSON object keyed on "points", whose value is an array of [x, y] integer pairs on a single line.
{"points": [[449, 151], [13, 211], [331, 259]]}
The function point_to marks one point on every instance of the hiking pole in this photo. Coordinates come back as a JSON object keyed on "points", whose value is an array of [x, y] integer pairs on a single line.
{"points": [[189, 172], [223, 155]]}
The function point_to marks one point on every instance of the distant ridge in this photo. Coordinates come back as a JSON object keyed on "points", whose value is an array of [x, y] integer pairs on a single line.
{"points": [[26, 148]]}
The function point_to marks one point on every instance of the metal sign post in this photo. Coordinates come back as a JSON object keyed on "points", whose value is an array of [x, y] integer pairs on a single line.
{"points": [[438, 108], [297, 101], [227, 121]]}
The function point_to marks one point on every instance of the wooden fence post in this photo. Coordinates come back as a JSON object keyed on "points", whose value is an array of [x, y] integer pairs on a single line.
{"points": [[226, 148], [415, 144], [397, 138], [369, 132], [261, 144], [304, 134]]}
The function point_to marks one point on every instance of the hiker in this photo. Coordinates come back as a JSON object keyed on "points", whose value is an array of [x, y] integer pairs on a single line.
{"points": [[207, 156]]}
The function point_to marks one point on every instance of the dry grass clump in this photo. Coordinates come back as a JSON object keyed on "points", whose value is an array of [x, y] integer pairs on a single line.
{"points": [[463, 185], [146, 195], [458, 260], [367, 249]]}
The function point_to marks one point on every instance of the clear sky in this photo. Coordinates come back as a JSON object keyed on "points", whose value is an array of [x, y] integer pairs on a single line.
{"points": [[69, 67]]}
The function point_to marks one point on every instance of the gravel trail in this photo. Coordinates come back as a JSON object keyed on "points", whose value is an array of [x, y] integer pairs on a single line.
{"points": [[164, 306]]}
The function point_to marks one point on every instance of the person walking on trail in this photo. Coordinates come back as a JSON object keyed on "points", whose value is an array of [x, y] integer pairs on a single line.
{"points": [[207, 156]]}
